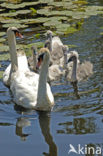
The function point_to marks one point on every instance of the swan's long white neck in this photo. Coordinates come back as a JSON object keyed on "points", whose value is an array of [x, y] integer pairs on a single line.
{"points": [[42, 99], [13, 54], [12, 50], [74, 71]]}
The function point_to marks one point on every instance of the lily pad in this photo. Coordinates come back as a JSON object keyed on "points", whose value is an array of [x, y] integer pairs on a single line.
{"points": [[4, 57], [64, 31], [80, 2], [11, 21], [11, 14], [2, 34], [4, 48], [37, 20], [52, 23], [2, 39], [2, 10], [14, 25], [17, 6]]}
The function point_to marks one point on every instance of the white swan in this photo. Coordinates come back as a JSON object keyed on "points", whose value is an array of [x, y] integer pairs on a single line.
{"points": [[78, 72], [17, 58], [31, 90]]}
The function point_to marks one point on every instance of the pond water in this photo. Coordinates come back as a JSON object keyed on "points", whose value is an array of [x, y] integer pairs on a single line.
{"points": [[77, 117]]}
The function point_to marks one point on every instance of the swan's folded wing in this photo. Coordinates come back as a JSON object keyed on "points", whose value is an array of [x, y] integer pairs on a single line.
{"points": [[24, 89], [6, 75]]}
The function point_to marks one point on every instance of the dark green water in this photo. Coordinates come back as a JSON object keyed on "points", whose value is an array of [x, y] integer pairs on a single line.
{"points": [[73, 120]]}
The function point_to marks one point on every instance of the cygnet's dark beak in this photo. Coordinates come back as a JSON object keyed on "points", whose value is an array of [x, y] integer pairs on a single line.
{"points": [[69, 60]]}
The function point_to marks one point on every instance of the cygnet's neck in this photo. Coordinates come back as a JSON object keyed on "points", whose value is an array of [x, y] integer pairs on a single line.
{"points": [[42, 99], [74, 71], [65, 59], [34, 61], [50, 39]]}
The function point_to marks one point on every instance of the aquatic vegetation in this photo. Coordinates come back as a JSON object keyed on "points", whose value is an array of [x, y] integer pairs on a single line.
{"points": [[52, 14], [63, 17]]}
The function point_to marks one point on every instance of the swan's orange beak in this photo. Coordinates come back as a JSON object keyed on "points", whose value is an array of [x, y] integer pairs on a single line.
{"points": [[39, 63], [18, 34]]}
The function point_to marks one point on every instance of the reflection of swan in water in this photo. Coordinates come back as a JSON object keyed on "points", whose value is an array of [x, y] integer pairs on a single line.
{"points": [[20, 124], [44, 121]]}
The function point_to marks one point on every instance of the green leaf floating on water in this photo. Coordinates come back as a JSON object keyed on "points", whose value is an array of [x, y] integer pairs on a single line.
{"points": [[11, 21], [2, 40], [17, 6], [37, 20], [80, 2], [63, 4], [33, 11], [2, 10], [4, 48], [52, 23], [37, 35], [14, 25], [19, 12], [66, 29], [4, 57], [2, 34]]}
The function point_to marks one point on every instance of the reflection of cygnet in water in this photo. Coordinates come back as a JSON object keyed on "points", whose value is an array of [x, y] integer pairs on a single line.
{"points": [[20, 124], [75, 87]]}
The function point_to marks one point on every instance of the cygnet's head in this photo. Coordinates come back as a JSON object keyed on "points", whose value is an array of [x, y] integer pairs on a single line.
{"points": [[65, 48], [43, 54], [49, 34], [34, 50], [73, 56], [47, 44], [13, 31]]}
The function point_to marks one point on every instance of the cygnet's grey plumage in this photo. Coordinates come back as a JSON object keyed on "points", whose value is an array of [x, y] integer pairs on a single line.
{"points": [[32, 61], [78, 72], [55, 47], [54, 72], [63, 60]]}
